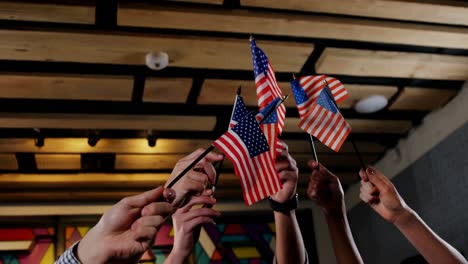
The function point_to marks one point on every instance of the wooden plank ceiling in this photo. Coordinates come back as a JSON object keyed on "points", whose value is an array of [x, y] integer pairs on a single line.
{"points": [[73, 71]]}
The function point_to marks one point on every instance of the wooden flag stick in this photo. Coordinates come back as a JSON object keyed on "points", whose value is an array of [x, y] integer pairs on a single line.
{"points": [[208, 150], [356, 151]]}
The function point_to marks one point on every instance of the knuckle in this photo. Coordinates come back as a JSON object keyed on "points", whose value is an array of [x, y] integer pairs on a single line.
{"points": [[125, 200], [158, 222], [199, 150]]}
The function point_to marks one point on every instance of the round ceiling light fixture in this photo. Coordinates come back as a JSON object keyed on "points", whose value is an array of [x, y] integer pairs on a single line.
{"points": [[371, 104]]}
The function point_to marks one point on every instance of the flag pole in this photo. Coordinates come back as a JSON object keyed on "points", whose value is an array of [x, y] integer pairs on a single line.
{"points": [[208, 150], [190, 166], [351, 138], [312, 146]]}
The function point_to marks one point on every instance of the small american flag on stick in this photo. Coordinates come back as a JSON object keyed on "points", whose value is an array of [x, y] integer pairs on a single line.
{"points": [[247, 148], [314, 84], [321, 118], [267, 90]]}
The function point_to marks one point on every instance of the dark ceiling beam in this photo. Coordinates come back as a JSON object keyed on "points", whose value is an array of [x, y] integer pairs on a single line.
{"points": [[383, 138], [309, 65], [108, 26], [111, 69], [138, 88], [108, 107], [106, 13]]}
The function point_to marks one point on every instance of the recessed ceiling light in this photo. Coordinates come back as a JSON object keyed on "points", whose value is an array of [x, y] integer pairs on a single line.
{"points": [[371, 104]]}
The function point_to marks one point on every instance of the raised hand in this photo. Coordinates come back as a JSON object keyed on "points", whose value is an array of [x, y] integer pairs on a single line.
{"points": [[379, 192], [325, 189], [185, 220], [382, 196], [127, 229], [195, 181], [289, 175]]}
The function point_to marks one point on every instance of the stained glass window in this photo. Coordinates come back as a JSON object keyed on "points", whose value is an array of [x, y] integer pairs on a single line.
{"points": [[27, 245]]}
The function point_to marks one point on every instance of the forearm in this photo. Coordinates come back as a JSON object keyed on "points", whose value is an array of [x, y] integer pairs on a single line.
{"points": [[429, 244], [176, 258], [289, 244], [343, 242]]}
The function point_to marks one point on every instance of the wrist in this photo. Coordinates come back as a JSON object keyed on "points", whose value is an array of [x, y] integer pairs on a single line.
{"points": [[333, 213], [284, 207], [178, 256], [335, 209], [405, 218], [91, 250]]}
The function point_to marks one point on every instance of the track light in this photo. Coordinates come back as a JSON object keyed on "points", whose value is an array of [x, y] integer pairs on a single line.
{"points": [[151, 138], [39, 139], [93, 139]]}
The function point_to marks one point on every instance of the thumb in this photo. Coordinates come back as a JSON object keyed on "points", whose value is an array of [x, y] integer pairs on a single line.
{"points": [[313, 164], [376, 178], [169, 195], [363, 175]]}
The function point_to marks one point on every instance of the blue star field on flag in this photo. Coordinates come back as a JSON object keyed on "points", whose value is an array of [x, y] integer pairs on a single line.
{"points": [[259, 58], [249, 132], [240, 110], [299, 94], [325, 101], [273, 117]]}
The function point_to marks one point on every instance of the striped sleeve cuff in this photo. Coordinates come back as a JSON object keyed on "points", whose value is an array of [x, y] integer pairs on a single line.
{"points": [[68, 257]]}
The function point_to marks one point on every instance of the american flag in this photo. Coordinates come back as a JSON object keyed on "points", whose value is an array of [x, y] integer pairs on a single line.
{"points": [[239, 111], [265, 81], [323, 119], [247, 148], [269, 128], [313, 86]]}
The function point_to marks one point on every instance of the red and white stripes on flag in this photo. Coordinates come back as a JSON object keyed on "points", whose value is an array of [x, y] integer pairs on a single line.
{"points": [[270, 131], [265, 81], [267, 90], [314, 84], [328, 127], [246, 147]]}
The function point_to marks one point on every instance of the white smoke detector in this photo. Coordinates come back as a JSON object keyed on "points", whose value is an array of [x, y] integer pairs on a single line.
{"points": [[371, 104], [157, 61]]}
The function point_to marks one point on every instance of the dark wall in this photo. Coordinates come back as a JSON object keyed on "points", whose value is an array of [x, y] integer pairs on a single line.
{"points": [[436, 187]]}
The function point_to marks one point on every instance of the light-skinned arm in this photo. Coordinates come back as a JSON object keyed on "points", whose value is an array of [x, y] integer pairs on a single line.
{"points": [[379, 192], [185, 220]]}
